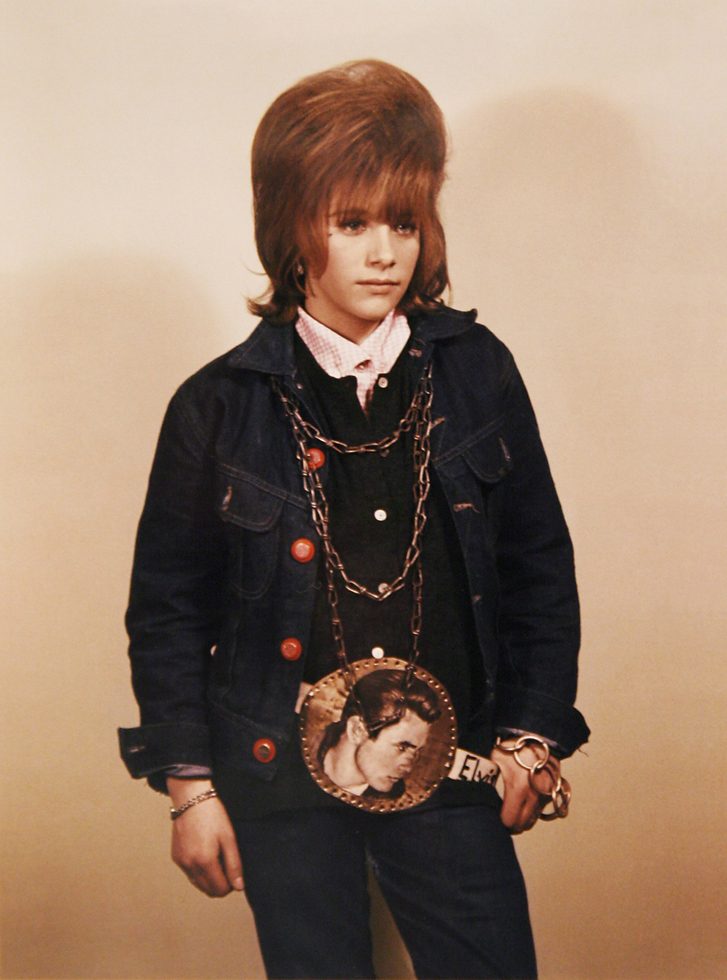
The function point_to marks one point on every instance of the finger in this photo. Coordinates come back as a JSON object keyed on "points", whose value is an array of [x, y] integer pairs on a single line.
{"points": [[231, 863], [510, 811], [546, 779], [197, 879], [525, 820], [517, 802], [520, 808], [211, 880]]}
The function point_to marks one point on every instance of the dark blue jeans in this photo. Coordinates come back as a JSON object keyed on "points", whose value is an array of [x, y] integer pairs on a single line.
{"points": [[449, 875]]}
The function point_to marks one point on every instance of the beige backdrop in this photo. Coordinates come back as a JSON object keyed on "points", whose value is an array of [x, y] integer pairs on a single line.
{"points": [[586, 221]]}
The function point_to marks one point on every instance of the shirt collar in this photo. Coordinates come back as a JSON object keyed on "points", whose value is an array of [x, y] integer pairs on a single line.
{"points": [[269, 348], [339, 356]]}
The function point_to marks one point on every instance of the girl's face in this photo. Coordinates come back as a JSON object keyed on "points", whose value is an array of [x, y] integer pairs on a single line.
{"points": [[370, 265]]}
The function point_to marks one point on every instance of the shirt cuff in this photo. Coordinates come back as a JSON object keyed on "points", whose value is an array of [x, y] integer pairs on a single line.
{"points": [[558, 750], [188, 772]]}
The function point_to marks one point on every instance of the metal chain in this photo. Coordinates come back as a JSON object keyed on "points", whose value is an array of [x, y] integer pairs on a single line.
{"points": [[313, 432], [418, 415], [558, 792]]}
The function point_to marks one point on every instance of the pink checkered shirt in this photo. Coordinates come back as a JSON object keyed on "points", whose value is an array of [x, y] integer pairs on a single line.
{"points": [[367, 361]]}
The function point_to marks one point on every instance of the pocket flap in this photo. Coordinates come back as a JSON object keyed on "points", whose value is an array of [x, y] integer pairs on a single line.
{"points": [[489, 458], [242, 501]]}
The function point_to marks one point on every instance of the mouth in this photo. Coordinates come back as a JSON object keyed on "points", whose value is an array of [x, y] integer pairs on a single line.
{"points": [[378, 282]]}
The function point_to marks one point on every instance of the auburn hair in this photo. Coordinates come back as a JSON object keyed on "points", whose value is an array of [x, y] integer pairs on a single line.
{"points": [[364, 135]]}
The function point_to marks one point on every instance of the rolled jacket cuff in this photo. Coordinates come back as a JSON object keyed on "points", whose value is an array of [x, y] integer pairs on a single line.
{"points": [[150, 749], [519, 708]]}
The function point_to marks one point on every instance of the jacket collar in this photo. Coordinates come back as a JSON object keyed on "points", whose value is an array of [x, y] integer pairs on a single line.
{"points": [[269, 348]]}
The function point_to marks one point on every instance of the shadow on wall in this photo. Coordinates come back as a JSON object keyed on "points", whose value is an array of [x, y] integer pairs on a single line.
{"points": [[548, 168], [583, 225], [595, 245], [97, 342]]}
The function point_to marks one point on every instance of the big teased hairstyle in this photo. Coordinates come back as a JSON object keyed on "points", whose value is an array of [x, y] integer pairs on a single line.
{"points": [[381, 699], [366, 134]]}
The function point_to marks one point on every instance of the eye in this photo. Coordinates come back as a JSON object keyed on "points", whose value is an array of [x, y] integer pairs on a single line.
{"points": [[405, 228], [351, 225]]}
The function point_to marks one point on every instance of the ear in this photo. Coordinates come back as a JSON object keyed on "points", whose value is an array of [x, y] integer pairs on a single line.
{"points": [[356, 730]]}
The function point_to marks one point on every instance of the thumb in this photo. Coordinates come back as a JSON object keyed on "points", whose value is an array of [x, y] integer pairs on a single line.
{"points": [[511, 806], [232, 863]]}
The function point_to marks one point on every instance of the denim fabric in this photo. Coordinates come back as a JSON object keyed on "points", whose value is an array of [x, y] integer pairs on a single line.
{"points": [[450, 878], [215, 588]]}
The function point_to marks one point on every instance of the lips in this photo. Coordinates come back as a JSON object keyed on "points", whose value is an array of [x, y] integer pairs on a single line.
{"points": [[378, 282]]}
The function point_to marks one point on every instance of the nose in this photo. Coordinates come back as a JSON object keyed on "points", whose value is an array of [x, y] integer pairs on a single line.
{"points": [[407, 762], [381, 246]]}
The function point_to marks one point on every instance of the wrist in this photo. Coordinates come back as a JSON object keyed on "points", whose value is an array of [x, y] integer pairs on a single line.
{"points": [[181, 790]]}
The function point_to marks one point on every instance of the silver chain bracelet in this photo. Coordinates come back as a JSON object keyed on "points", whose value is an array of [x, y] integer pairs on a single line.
{"points": [[208, 794]]}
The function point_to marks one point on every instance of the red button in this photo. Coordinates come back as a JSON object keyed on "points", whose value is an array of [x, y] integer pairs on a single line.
{"points": [[316, 458], [264, 750], [302, 549], [291, 648]]}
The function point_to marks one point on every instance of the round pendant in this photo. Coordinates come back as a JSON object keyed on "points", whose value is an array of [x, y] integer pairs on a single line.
{"points": [[378, 744]]}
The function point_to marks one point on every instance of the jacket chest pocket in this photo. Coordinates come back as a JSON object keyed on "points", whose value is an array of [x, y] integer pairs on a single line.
{"points": [[251, 515], [476, 480], [490, 461], [489, 458]]}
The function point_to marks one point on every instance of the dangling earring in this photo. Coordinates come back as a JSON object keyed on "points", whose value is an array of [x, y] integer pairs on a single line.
{"points": [[299, 277]]}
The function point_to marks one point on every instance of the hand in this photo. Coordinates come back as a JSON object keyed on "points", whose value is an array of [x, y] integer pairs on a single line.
{"points": [[521, 804], [203, 841]]}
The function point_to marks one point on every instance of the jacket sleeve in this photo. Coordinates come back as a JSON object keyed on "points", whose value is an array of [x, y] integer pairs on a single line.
{"points": [[175, 603], [538, 625]]}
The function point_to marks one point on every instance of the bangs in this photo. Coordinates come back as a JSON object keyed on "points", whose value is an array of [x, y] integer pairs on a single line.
{"points": [[391, 195]]}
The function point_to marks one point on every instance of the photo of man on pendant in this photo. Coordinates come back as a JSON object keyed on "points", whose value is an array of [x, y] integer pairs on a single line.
{"points": [[384, 744]]}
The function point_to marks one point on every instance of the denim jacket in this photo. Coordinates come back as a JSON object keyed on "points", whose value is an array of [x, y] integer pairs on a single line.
{"points": [[221, 607]]}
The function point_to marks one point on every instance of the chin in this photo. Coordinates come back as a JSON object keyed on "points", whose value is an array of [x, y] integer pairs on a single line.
{"points": [[377, 308], [373, 316]]}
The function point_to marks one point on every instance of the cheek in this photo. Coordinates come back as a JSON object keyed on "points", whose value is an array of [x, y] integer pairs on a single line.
{"points": [[411, 254], [373, 759], [341, 266], [388, 755]]}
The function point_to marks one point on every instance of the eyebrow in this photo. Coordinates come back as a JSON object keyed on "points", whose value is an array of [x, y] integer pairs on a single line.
{"points": [[364, 214], [349, 212]]}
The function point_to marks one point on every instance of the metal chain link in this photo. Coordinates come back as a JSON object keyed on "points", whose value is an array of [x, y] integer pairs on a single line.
{"points": [[558, 792], [313, 432], [418, 416]]}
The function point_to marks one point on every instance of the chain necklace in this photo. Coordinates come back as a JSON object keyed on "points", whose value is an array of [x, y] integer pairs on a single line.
{"points": [[419, 418]]}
